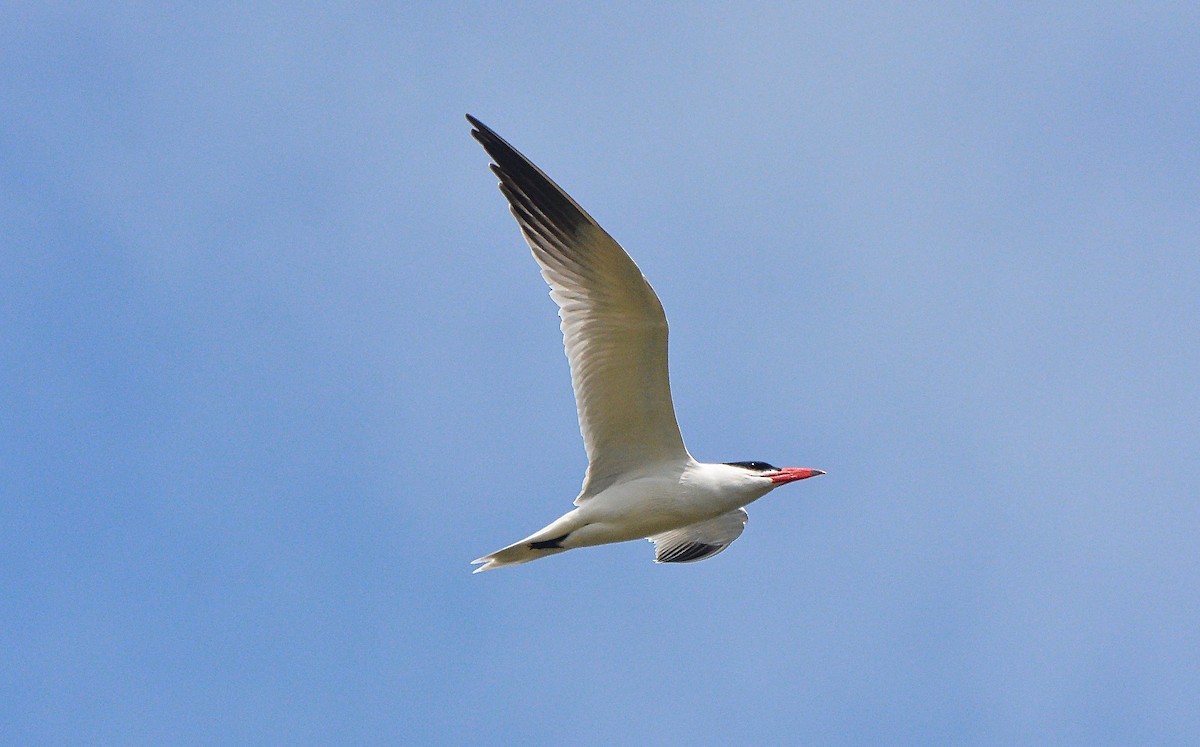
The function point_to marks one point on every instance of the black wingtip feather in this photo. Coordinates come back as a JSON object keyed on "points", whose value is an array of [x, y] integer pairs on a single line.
{"points": [[476, 124], [688, 552], [524, 182]]}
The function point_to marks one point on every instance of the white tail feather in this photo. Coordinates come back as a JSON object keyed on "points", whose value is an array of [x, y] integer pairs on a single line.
{"points": [[514, 554], [523, 551]]}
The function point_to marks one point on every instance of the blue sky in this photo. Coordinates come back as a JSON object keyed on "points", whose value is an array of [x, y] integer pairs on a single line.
{"points": [[275, 365]]}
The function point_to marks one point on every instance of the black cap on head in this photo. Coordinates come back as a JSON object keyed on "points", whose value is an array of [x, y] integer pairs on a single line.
{"points": [[755, 466]]}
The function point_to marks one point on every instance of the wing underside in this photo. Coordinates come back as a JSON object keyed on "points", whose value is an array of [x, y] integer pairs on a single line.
{"points": [[699, 541], [614, 329]]}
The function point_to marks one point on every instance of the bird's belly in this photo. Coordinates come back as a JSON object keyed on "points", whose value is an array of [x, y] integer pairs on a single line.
{"points": [[634, 511]]}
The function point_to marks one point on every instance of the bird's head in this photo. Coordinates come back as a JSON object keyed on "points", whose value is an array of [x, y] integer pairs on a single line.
{"points": [[777, 475]]}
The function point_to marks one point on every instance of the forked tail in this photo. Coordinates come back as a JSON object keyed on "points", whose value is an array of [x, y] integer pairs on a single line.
{"points": [[515, 554], [548, 541], [511, 555]]}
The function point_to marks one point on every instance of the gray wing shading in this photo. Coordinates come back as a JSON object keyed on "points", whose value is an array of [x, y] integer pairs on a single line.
{"points": [[614, 329], [699, 541]]}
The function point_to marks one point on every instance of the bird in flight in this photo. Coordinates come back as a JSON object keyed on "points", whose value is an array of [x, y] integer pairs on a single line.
{"points": [[641, 482]]}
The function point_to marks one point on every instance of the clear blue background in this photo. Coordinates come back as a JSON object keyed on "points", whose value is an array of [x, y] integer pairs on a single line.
{"points": [[275, 365]]}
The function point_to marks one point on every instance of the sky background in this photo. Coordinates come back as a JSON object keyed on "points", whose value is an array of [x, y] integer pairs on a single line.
{"points": [[275, 365]]}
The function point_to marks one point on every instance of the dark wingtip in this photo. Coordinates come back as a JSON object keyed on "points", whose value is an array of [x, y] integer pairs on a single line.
{"points": [[481, 132], [688, 552], [545, 205], [495, 145]]}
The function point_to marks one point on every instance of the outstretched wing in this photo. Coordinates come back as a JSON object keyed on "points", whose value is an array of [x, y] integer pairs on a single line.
{"points": [[701, 540], [614, 329]]}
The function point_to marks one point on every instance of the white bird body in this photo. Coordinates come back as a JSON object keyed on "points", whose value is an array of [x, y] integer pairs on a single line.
{"points": [[641, 481], [670, 498]]}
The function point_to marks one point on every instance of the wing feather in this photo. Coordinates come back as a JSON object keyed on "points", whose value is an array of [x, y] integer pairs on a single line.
{"points": [[613, 325], [701, 540]]}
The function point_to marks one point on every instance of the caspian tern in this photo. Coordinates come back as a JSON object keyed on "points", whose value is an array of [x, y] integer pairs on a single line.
{"points": [[641, 482]]}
